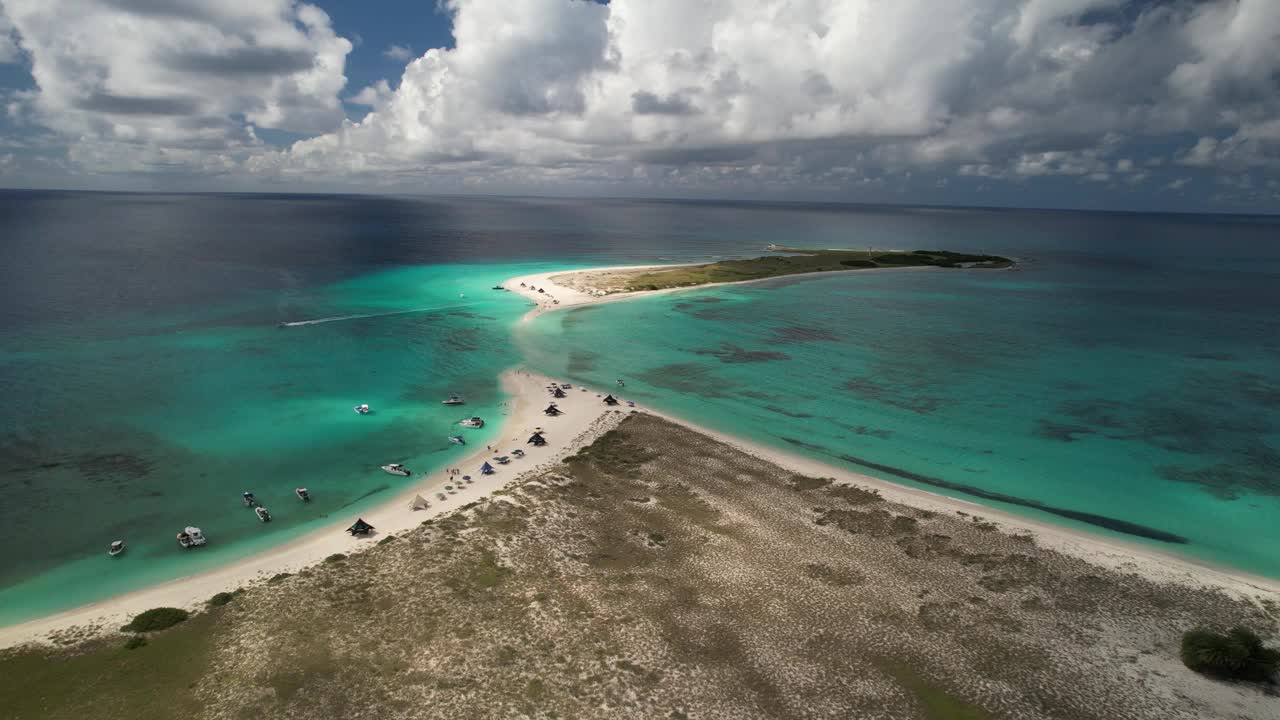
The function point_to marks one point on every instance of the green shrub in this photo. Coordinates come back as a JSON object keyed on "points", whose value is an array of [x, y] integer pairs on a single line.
{"points": [[156, 619], [858, 263], [387, 539], [221, 599], [335, 558], [1235, 655], [134, 642], [279, 576]]}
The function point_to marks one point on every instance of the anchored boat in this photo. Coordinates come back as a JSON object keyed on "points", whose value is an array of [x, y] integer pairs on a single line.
{"points": [[396, 469], [117, 547], [457, 440], [473, 422], [303, 494], [191, 537], [362, 409], [453, 400]]}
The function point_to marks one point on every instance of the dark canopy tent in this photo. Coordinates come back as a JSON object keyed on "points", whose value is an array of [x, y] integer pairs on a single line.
{"points": [[557, 393], [537, 439], [360, 527], [552, 410], [486, 469], [610, 400]]}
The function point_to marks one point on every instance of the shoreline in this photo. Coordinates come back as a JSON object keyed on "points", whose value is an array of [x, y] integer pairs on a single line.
{"points": [[526, 392], [1098, 549], [583, 420]]}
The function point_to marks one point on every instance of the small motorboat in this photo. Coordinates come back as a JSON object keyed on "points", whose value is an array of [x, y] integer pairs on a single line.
{"points": [[362, 409], [262, 514], [502, 459], [498, 287], [620, 383], [397, 469], [472, 422], [457, 440], [117, 547], [249, 499], [191, 537], [282, 325], [453, 400], [303, 494]]}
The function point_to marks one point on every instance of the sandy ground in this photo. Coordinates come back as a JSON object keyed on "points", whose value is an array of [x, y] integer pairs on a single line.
{"points": [[528, 398], [1100, 550], [659, 573], [583, 416], [563, 292]]}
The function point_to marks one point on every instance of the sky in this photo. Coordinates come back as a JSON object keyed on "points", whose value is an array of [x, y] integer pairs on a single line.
{"points": [[1111, 104]]}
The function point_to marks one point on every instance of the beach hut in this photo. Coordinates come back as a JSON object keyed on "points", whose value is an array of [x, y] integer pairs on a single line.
{"points": [[552, 410], [486, 469], [419, 503], [610, 400], [537, 440], [360, 528]]}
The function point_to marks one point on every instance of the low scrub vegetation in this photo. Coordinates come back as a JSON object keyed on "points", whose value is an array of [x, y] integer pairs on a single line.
{"points": [[155, 619], [1235, 655]]}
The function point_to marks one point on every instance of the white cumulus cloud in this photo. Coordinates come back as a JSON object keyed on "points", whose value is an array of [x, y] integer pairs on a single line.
{"points": [[178, 82], [398, 52], [673, 94], [549, 90]]}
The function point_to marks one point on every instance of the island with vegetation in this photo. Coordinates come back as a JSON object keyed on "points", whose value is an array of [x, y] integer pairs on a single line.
{"points": [[787, 261], [661, 573]]}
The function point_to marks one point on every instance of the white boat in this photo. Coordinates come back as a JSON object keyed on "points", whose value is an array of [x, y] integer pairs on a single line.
{"points": [[457, 440], [117, 547], [191, 537], [362, 409], [473, 422], [248, 499], [262, 514], [453, 400], [303, 494], [397, 469]]}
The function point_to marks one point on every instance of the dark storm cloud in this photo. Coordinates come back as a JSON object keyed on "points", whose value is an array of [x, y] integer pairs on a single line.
{"points": [[646, 103], [243, 61], [182, 9], [138, 105], [698, 155]]}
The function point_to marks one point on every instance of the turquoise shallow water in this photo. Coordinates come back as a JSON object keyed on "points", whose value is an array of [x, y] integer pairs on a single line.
{"points": [[171, 416], [1125, 379], [1150, 420]]}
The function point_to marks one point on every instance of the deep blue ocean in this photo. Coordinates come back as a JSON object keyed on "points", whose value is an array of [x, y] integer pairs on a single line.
{"points": [[1125, 378]]}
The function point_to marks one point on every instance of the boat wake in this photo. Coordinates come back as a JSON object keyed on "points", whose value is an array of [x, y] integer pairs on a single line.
{"points": [[320, 321]]}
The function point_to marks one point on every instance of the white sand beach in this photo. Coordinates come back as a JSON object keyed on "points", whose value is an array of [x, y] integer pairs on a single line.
{"points": [[585, 418], [1105, 551]]}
